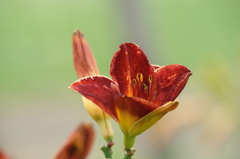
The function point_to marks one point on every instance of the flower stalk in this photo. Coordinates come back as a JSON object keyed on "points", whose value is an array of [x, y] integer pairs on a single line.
{"points": [[128, 142], [107, 150]]}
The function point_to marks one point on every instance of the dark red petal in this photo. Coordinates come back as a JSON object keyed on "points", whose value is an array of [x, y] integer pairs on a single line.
{"points": [[136, 106], [98, 90], [171, 80], [127, 62]]}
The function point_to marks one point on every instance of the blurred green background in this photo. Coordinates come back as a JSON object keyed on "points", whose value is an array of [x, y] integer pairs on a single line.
{"points": [[38, 111]]}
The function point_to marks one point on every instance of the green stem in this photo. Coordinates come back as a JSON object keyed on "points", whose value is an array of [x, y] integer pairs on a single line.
{"points": [[128, 142], [107, 150]]}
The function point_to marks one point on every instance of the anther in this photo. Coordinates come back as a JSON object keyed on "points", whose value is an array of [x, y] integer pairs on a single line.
{"points": [[150, 79], [134, 82], [139, 77], [145, 87]]}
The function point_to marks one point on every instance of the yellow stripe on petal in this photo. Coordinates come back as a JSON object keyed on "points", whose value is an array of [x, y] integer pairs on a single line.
{"points": [[150, 119]]}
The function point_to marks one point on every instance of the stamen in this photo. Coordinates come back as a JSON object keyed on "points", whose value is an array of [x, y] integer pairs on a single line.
{"points": [[141, 89], [150, 82], [134, 82], [150, 79], [139, 77], [145, 87]]}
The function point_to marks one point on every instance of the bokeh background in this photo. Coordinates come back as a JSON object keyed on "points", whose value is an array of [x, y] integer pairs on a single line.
{"points": [[38, 111]]}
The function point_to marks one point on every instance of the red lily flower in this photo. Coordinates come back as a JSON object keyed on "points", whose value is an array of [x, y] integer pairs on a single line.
{"points": [[138, 94]]}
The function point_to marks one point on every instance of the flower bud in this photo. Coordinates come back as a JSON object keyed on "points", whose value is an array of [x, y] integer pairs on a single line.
{"points": [[78, 144], [85, 65], [3, 155]]}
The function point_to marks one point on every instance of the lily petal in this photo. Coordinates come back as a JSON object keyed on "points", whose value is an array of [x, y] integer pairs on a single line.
{"points": [[98, 90], [151, 118], [171, 80], [127, 62]]}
